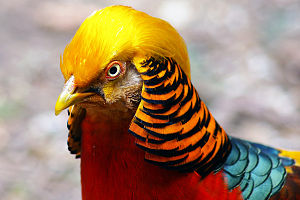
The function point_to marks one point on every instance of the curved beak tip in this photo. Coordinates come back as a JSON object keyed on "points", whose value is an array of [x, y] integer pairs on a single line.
{"points": [[57, 111], [60, 105], [66, 100]]}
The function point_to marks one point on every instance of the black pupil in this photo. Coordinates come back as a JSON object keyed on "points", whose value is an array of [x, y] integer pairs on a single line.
{"points": [[113, 70]]}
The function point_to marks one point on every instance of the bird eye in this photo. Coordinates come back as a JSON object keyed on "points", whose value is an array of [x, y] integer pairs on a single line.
{"points": [[114, 70]]}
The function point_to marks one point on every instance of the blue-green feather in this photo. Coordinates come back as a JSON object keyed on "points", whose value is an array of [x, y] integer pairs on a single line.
{"points": [[257, 169]]}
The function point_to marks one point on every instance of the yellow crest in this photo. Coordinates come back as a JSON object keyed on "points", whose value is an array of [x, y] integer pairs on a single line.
{"points": [[120, 33]]}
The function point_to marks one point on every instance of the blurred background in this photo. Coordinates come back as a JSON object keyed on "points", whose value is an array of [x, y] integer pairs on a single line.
{"points": [[245, 58]]}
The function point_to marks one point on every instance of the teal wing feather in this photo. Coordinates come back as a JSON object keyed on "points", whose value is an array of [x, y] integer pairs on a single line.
{"points": [[258, 170]]}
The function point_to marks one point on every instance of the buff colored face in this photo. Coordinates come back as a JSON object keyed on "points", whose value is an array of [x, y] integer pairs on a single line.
{"points": [[118, 85]]}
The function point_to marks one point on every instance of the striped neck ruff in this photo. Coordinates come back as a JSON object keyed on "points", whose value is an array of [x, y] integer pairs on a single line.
{"points": [[172, 125]]}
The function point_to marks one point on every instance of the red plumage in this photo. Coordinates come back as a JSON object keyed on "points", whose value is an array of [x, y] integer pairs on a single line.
{"points": [[112, 167]]}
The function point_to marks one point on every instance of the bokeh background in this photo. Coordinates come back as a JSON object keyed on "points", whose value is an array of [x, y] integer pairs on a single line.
{"points": [[245, 58]]}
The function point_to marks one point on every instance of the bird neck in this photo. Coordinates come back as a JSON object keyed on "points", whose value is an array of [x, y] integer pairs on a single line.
{"points": [[112, 167], [105, 146]]}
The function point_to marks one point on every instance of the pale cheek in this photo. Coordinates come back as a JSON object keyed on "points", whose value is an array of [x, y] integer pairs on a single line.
{"points": [[113, 96], [108, 94]]}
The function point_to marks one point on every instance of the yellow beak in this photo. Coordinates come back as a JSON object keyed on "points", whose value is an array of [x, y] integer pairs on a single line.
{"points": [[69, 97]]}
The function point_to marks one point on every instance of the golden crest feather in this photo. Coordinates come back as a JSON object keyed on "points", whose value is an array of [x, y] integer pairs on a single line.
{"points": [[120, 33]]}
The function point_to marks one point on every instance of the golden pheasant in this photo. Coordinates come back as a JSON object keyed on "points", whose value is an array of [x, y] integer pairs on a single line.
{"points": [[140, 128]]}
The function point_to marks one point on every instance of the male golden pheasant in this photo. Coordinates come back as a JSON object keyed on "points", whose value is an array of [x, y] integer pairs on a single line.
{"points": [[140, 128]]}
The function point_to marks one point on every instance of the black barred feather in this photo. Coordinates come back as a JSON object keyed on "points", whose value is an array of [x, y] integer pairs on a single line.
{"points": [[172, 124], [73, 124]]}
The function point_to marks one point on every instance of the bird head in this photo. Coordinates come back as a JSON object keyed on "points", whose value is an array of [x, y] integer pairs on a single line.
{"points": [[102, 63]]}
